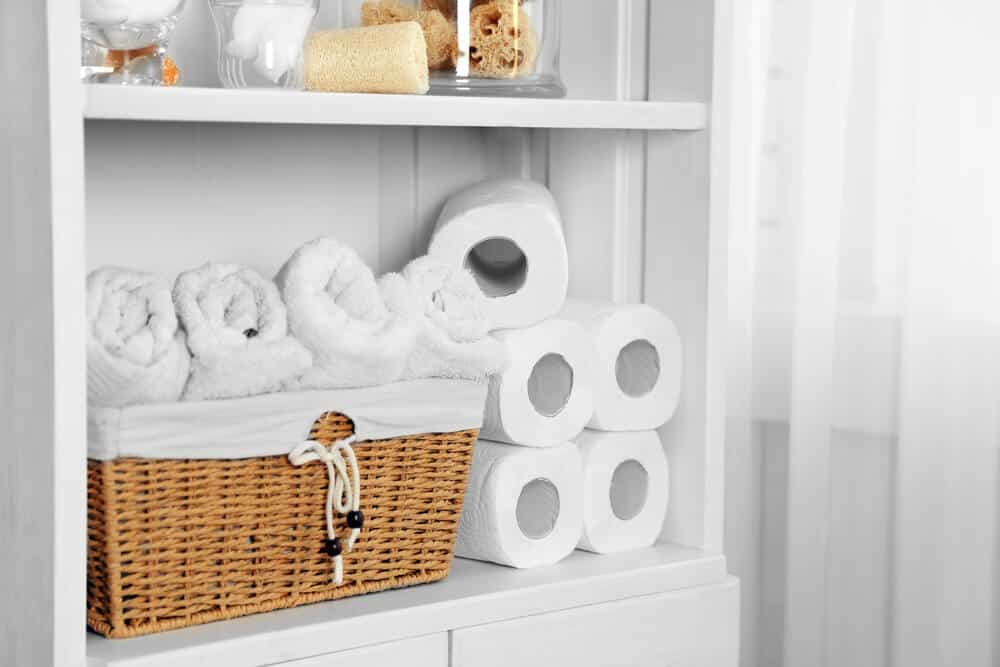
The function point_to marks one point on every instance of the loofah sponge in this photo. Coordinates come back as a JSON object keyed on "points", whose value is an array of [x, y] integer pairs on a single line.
{"points": [[376, 59], [503, 43], [439, 29]]}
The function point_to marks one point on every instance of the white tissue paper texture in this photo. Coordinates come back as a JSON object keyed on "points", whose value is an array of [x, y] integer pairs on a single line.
{"points": [[135, 352], [624, 512], [638, 365], [545, 395], [449, 313], [493, 525], [335, 309], [524, 289], [112, 12], [271, 35], [237, 331]]}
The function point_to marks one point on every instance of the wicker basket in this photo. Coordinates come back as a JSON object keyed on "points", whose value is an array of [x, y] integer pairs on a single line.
{"points": [[177, 543]]}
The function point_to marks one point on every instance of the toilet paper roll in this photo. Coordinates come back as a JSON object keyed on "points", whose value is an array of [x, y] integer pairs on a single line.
{"points": [[523, 507], [545, 395], [626, 489], [637, 367], [508, 233]]}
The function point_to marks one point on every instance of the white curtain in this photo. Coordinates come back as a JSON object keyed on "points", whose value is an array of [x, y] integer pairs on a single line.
{"points": [[863, 476]]}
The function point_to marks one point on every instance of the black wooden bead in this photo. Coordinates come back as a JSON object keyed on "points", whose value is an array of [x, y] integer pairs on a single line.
{"points": [[355, 519], [333, 548], [251, 333]]}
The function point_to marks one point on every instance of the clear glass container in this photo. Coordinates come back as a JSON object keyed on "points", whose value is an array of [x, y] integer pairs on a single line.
{"points": [[125, 41], [480, 47], [261, 42]]}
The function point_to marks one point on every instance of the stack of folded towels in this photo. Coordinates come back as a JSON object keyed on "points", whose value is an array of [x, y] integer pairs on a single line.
{"points": [[325, 322]]}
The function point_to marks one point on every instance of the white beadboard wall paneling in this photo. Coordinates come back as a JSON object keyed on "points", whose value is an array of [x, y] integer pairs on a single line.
{"points": [[378, 189], [238, 193], [42, 405], [397, 198], [827, 47], [948, 472], [742, 59], [678, 253], [598, 177], [447, 160]]}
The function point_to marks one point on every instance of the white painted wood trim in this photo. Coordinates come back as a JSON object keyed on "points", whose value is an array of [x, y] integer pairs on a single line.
{"points": [[824, 85], [42, 355], [216, 105], [742, 55]]}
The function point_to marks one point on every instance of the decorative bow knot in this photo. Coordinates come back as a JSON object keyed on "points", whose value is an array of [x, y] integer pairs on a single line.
{"points": [[343, 492]]}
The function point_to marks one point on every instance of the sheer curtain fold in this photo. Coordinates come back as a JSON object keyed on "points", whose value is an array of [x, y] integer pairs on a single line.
{"points": [[863, 466]]}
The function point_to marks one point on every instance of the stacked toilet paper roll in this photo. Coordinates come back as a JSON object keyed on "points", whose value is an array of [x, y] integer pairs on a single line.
{"points": [[533, 495], [545, 395], [626, 488], [509, 234], [637, 365], [523, 505]]}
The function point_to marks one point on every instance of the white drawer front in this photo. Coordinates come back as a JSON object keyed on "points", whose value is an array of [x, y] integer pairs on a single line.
{"points": [[429, 651], [698, 627]]}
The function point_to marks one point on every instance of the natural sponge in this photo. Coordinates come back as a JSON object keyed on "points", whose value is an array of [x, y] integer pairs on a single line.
{"points": [[382, 12], [503, 43], [439, 29]]}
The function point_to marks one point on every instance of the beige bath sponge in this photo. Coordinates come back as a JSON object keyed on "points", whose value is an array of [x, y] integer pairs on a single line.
{"points": [[439, 29], [503, 43], [377, 59]]}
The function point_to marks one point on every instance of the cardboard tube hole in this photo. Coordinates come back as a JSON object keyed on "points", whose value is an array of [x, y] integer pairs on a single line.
{"points": [[550, 385], [538, 509], [629, 489], [637, 368], [499, 266]]}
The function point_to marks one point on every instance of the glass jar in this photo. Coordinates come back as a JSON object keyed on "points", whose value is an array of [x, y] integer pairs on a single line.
{"points": [[480, 47], [129, 39], [261, 41]]}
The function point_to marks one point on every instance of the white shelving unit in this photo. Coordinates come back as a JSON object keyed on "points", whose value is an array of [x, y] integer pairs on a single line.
{"points": [[212, 105], [165, 179]]}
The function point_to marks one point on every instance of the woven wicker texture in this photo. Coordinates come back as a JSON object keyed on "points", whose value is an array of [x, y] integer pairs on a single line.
{"points": [[178, 543]]}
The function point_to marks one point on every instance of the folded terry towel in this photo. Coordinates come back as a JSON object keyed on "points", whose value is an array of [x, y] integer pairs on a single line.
{"points": [[135, 352], [237, 330], [450, 313], [335, 309]]}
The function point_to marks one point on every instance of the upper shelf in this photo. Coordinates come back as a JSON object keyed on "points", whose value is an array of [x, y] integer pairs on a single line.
{"points": [[216, 105]]}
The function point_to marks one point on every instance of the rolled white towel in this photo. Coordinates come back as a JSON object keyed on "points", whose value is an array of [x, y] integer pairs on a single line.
{"points": [[237, 331], [135, 352], [335, 309], [450, 314]]}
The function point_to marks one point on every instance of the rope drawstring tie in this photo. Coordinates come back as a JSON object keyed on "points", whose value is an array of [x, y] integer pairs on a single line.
{"points": [[343, 493]]}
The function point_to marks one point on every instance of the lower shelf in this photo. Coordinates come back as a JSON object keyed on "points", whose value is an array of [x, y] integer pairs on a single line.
{"points": [[474, 594]]}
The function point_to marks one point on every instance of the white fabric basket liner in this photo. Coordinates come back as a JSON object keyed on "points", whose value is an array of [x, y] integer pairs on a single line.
{"points": [[274, 424]]}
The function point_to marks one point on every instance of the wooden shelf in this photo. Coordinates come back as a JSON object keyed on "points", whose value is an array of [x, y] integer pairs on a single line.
{"points": [[474, 594], [216, 105]]}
